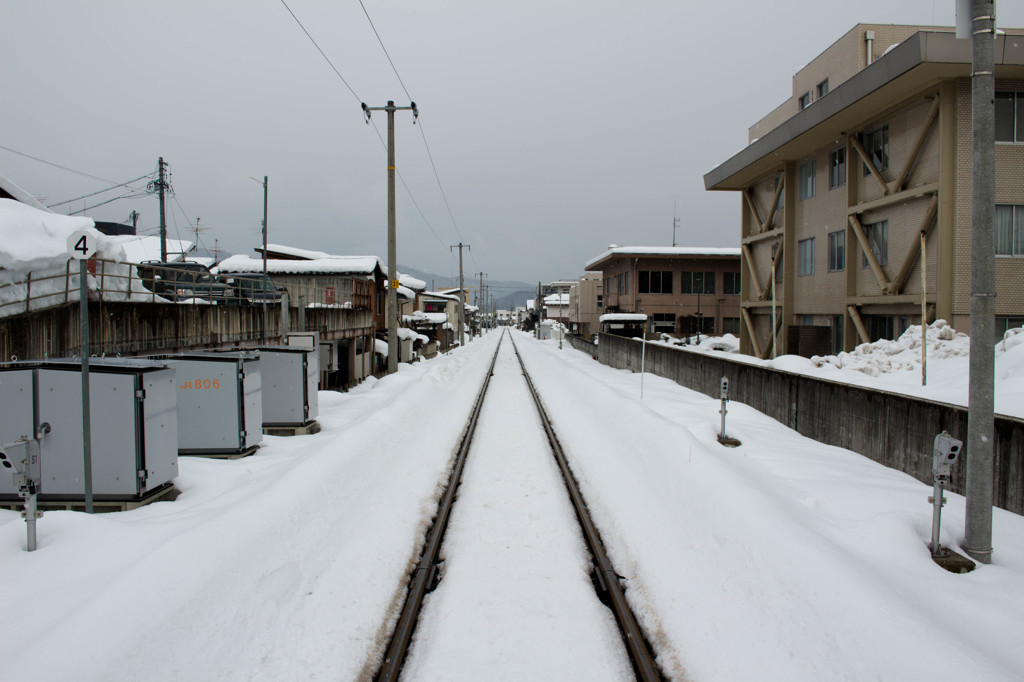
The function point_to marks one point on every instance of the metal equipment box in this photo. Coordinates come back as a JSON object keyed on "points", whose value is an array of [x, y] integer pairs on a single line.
{"points": [[220, 402], [290, 378], [133, 427]]}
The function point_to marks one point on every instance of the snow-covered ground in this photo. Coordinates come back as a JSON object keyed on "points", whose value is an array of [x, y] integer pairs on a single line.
{"points": [[896, 365], [781, 559]]}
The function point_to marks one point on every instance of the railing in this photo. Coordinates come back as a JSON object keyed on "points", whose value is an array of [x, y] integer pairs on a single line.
{"points": [[154, 283]]}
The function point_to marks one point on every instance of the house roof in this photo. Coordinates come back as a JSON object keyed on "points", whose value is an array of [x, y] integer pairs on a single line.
{"points": [[917, 63], [660, 251], [9, 190], [335, 265]]}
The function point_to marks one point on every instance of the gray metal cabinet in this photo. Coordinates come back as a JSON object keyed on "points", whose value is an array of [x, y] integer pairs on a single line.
{"points": [[133, 426], [219, 402], [290, 378]]}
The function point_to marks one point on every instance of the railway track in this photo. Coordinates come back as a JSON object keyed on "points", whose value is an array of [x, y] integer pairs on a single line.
{"points": [[424, 577]]}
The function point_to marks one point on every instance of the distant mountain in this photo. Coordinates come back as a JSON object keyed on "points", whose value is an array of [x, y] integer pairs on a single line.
{"points": [[507, 293]]}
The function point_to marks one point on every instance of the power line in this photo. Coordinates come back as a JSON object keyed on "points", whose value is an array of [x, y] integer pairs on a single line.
{"points": [[102, 203], [422, 132], [57, 165], [86, 196], [385, 50], [321, 51]]}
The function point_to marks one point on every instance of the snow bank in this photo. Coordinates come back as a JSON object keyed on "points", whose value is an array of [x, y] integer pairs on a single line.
{"points": [[903, 354]]}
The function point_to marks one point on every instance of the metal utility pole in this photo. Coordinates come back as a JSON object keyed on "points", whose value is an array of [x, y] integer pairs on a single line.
{"points": [[675, 224], [264, 297], [462, 301], [392, 304], [980, 400], [161, 187]]}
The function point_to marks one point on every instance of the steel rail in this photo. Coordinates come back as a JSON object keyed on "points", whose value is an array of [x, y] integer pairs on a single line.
{"points": [[646, 669], [422, 576]]}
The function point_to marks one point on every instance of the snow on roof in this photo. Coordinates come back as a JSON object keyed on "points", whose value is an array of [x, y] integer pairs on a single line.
{"points": [[406, 293], [438, 294], [623, 317], [406, 334], [380, 347], [8, 185], [429, 318], [411, 282], [347, 265], [304, 254], [556, 299], [664, 251], [30, 237], [141, 248]]}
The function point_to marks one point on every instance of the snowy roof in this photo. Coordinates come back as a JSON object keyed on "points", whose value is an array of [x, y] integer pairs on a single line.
{"points": [[406, 293], [430, 318], [663, 251], [302, 254], [623, 317], [411, 282], [438, 294], [556, 299], [347, 265], [142, 248], [29, 235], [20, 195]]}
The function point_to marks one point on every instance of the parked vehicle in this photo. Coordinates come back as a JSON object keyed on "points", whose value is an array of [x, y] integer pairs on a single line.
{"points": [[183, 280], [254, 289]]}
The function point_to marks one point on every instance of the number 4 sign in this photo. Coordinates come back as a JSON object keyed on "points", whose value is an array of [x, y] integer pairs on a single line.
{"points": [[81, 245]]}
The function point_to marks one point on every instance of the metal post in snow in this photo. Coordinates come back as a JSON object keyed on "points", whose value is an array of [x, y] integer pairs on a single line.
{"points": [[83, 306], [643, 359], [924, 313]]}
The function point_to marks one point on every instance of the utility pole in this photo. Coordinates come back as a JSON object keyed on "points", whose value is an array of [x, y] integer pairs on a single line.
{"points": [[980, 399], [134, 217], [161, 187], [392, 255], [480, 301], [675, 224], [264, 298], [462, 301], [538, 307]]}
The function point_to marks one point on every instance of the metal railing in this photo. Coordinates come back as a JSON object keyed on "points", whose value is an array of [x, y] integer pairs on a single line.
{"points": [[157, 283]]}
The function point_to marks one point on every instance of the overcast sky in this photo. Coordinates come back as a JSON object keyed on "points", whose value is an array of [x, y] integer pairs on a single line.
{"points": [[556, 127]]}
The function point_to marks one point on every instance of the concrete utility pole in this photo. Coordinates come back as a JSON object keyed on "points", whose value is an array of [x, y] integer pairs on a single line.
{"points": [[980, 400], [538, 307], [480, 302], [264, 297], [462, 301], [161, 186], [392, 256]]}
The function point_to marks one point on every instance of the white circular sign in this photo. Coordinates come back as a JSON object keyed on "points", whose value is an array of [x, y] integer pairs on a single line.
{"points": [[81, 245]]}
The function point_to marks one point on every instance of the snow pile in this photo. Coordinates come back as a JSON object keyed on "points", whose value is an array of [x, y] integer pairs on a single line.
{"points": [[726, 343], [903, 354]]}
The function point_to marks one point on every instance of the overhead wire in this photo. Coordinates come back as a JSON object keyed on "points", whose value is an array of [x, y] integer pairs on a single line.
{"points": [[57, 165], [123, 184], [423, 134], [321, 51]]}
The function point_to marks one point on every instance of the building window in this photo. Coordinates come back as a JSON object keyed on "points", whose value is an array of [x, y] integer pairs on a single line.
{"points": [[878, 238], [805, 257], [731, 325], [837, 251], [822, 88], [876, 144], [881, 327], [837, 168], [731, 283], [804, 100], [1009, 234], [806, 181], [1005, 324], [837, 334], [1010, 117], [663, 322], [654, 282], [697, 283], [600, 301]]}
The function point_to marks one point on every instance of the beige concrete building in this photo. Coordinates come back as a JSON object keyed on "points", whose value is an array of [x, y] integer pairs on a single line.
{"points": [[586, 304], [679, 288], [862, 176]]}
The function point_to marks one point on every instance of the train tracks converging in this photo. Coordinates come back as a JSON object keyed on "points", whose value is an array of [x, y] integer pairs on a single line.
{"points": [[425, 577]]}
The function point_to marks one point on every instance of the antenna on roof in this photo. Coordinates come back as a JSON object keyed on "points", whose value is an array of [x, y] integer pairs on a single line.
{"points": [[675, 223]]}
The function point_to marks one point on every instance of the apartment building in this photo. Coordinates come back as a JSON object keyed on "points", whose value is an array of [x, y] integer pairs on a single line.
{"points": [[680, 289], [586, 304], [855, 193]]}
